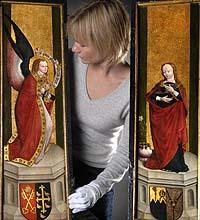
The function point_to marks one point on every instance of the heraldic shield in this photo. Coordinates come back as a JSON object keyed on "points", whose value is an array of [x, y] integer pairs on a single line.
{"points": [[166, 203], [35, 200]]}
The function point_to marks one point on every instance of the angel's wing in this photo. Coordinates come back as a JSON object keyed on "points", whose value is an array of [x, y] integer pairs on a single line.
{"points": [[14, 73], [18, 54]]}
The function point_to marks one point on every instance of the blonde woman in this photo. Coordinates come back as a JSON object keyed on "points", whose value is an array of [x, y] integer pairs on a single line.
{"points": [[101, 34]]}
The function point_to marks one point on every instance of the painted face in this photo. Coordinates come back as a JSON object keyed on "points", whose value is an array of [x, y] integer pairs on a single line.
{"points": [[168, 72], [88, 54], [43, 67]]}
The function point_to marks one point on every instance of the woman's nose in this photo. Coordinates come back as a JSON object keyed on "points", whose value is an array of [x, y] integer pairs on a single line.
{"points": [[75, 47]]}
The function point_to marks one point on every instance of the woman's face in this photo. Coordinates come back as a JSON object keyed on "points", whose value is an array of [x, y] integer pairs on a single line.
{"points": [[168, 72], [87, 53]]}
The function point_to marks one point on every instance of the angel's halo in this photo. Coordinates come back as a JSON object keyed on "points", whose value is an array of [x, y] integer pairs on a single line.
{"points": [[50, 64]]}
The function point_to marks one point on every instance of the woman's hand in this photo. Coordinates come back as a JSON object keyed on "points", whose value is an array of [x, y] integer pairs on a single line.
{"points": [[83, 199], [169, 89], [166, 99]]}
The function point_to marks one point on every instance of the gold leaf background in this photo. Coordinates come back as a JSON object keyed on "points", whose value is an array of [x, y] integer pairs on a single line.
{"points": [[168, 40], [35, 21]]}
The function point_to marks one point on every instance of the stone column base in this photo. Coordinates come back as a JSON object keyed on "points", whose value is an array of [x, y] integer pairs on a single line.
{"points": [[157, 178], [49, 170]]}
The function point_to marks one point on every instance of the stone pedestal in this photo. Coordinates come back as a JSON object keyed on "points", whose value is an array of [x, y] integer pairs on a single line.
{"points": [[186, 181], [50, 169]]}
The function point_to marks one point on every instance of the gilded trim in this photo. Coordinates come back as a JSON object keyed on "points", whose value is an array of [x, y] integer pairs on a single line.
{"points": [[41, 142], [30, 3], [30, 162], [144, 4], [1, 112], [65, 113], [198, 189]]}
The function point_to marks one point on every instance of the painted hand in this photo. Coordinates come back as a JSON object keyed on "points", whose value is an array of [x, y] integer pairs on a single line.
{"points": [[83, 199], [166, 99], [42, 91], [169, 89]]}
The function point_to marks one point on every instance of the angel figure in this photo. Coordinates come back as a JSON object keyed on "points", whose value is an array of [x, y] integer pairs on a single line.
{"points": [[36, 95]]}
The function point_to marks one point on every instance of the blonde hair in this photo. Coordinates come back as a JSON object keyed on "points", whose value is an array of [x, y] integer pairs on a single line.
{"points": [[103, 24]]}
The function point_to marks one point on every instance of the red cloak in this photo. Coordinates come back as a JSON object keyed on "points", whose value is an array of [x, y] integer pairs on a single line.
{"points": [[31, 120], [168, 129]]}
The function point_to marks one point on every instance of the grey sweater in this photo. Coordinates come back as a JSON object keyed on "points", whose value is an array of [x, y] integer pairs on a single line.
{"points": [[101, 130]]}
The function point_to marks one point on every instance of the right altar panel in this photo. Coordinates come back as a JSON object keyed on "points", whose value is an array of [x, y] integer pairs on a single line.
{"points": [[167, 97]]}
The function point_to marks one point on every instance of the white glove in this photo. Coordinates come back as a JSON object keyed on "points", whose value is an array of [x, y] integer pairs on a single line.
{"points": [[84, 198]]}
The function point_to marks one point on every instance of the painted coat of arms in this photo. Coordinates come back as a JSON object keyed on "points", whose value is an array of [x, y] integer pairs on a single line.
{"points": [[35, 200], [166, 203]]}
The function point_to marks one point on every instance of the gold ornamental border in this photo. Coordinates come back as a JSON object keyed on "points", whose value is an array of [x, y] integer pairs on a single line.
{"points": [[163, 2]]}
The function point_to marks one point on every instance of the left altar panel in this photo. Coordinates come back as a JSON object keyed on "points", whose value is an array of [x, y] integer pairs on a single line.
{"points": [[33, 111]]}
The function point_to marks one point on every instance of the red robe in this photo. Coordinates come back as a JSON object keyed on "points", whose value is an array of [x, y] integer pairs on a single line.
{"points": [[30, 114], [168, 129]]}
